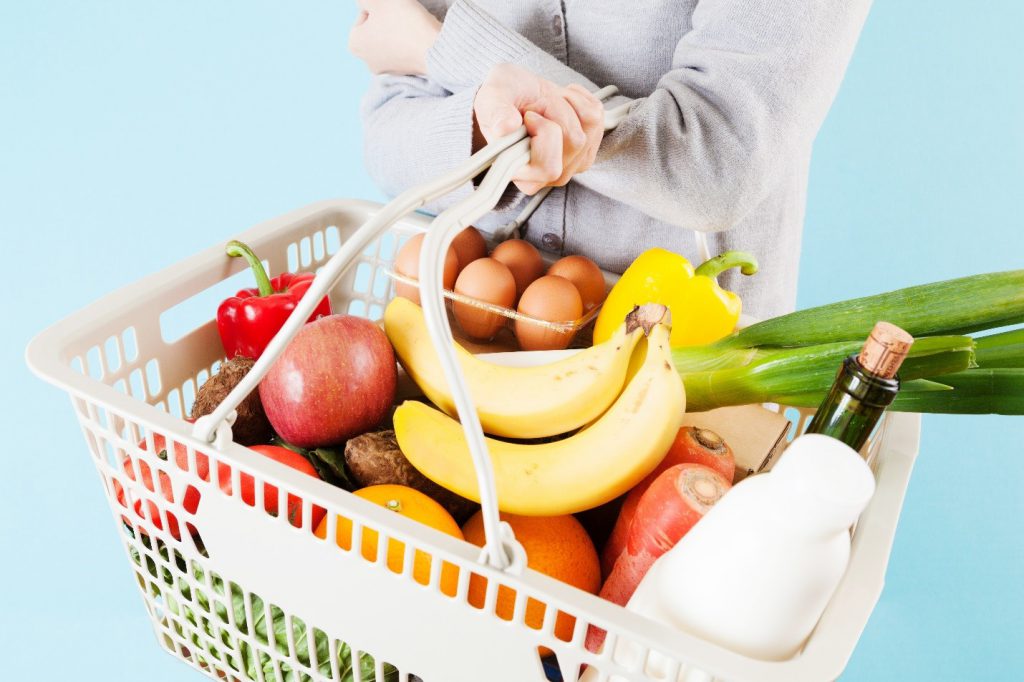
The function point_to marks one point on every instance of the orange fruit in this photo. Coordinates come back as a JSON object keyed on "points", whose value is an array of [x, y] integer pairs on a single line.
{"points": [[412, 504], [556, 546]]}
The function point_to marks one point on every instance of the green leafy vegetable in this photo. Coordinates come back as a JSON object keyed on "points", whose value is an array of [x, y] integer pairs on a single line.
{"points": [[329, 464], [208, 622]]}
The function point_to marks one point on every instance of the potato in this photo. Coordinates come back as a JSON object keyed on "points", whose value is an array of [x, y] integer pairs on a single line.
{"points": [[375, 459]]}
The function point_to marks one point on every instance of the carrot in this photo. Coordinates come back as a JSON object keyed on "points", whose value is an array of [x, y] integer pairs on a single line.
{"points": [[617, 540], [692, 445], [673, 503], [704, 446]]}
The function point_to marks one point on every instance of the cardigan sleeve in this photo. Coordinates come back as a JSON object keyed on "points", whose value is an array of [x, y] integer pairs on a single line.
{"points": [[414, 131], [749, 86]]}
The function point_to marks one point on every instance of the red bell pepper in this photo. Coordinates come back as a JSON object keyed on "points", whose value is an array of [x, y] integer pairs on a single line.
{"points": [[249, 320]]}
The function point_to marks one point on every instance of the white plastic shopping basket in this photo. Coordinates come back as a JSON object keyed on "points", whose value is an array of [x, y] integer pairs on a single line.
{"points": [[240, 594]]}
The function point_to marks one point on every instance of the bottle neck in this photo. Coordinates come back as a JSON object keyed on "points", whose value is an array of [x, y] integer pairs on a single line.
{"points": [[871, 390], [854, 404]]}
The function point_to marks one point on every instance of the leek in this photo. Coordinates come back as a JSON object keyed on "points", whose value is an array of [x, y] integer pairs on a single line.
{"points": [[1001, 350], [814, 398], [776, 374], [976, 391], [794, 358], [956, 306]]}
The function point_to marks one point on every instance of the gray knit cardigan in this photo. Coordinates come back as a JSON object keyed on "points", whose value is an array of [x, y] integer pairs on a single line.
{"points": [[727, 97]]}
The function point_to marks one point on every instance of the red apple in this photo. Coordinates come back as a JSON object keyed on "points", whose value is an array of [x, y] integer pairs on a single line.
{"points": [[335, 380]]}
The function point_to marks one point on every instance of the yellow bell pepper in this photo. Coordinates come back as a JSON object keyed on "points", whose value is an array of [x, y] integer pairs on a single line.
{"points": [[702, 311]]}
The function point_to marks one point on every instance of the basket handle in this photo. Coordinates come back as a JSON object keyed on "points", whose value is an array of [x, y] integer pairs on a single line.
{"points": [[501, 549], [505, 157]]}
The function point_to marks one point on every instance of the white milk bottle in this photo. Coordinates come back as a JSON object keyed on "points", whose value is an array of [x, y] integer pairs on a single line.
{"points": [[755, 574]]}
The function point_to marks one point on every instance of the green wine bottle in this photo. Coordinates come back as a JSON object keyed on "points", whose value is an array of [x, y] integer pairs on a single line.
{"points": [[865, 385]]}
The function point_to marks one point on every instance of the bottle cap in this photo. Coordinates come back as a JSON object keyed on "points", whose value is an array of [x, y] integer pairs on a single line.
{"points": [[885, 350]]}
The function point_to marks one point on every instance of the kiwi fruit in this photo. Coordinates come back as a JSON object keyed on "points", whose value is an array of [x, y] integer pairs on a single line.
{"points": [[252, 426]]}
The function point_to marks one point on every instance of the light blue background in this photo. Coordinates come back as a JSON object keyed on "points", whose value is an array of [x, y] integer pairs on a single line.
{"points": [[133, 134]]}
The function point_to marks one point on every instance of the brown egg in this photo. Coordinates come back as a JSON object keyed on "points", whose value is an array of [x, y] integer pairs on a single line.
{"points": [[469, 245], [523, 259], [587, 277], [407, 263], [487, 280], [550, 298]]}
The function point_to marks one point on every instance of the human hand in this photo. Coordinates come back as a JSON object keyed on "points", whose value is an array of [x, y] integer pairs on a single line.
{"points": [[393, 36], [566, 125]]}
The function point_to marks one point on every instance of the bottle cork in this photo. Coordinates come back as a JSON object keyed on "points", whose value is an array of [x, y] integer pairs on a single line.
{"points": [[885, 350]]}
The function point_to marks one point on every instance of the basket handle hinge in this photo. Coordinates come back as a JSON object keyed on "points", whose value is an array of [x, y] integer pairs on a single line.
{"points": [[221, 431], [512, 557]]}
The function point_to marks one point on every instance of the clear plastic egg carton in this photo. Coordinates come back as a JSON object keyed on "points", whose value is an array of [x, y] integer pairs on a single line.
{"points": [[579, 331]]}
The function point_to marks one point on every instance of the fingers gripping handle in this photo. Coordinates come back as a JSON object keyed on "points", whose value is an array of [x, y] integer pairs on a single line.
{"points": [[612, 117]]}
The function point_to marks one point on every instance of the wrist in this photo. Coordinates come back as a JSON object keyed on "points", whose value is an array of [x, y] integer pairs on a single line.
{"points": [[469, 44], [427, 33]]}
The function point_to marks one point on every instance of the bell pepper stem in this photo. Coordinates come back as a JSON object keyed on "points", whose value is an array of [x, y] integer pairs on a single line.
{"points": [[237, 249], [730, 259]]}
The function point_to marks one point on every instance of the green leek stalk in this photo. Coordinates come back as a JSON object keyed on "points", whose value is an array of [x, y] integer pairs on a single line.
{"points": [[956, 306], [975, 391], [1001, 350], [793, 359], [995, 387], [775, 374]]}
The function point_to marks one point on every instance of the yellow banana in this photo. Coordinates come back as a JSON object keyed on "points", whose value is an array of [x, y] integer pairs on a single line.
{"points": [[595, 465], [516, 402]]}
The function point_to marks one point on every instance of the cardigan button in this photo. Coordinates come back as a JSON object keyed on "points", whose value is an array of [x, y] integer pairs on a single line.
{"points": [[551, 242], [556, 24]]}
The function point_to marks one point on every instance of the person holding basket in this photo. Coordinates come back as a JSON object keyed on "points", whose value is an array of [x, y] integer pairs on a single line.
{"points": [[725, 99]]}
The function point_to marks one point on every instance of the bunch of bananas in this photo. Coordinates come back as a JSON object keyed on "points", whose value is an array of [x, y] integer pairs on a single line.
{"points": [[628, 417]]}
